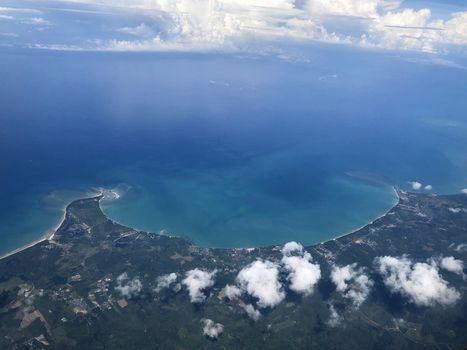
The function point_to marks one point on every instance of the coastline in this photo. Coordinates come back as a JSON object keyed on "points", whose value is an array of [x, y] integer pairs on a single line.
{"points": [[398, 199], [48, 236]]}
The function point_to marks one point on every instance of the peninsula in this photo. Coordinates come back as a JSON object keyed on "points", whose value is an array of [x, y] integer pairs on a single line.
{"points": [[96, 284]]}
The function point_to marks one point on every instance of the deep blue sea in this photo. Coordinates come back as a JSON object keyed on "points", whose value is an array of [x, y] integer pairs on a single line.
{"points": [[226, 150]]}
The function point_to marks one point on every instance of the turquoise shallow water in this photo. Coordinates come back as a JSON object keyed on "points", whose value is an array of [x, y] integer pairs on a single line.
{"points": [[227, 210], [226, 151]]}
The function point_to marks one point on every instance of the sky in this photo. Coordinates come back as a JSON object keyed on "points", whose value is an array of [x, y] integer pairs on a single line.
{"points": [[437, 28]]}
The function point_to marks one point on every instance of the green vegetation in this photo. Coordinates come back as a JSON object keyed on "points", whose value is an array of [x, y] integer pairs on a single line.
{"points": [[60, 294]]}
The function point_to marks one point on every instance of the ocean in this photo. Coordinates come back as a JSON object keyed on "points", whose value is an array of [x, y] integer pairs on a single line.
{"points": [[225, 150]]}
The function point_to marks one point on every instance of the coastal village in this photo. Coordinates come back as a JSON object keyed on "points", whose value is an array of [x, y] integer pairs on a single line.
{"points": [[95, 272]]}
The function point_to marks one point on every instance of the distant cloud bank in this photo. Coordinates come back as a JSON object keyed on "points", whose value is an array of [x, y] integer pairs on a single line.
{"points": [[199, 25]]}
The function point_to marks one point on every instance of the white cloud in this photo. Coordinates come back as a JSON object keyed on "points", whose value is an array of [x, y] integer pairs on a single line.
{"points": [[464, 191], [291, 247], [123, 277], [196, 281], [232, 292], [260, 279], [428, 187], [421, 283], [355, 8], [18, 10], [334, 318], [408, 18], [36, 21], [201, 25], [416, 30], [177, 287], [303, 274], [452, 264], [353, 283], [128, 288], [328, 77], [435, 60], [141, 30], [415, 185], [455, 29], [211, 329], [6, 17], [165, 281], [252, 312], [461, 248]]}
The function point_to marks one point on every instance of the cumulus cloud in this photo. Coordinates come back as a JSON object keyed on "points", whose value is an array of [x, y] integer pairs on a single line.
{"points": [[352, 282], [197, 281], [415, 185], [464, 191], [452, 264], [455, 29], [252, 312], [418, 186], [291, 247], [128, 288], [417, 30], [229, 24], [303, 274], [232, 292], [260, 279], [421, 283], [361, 8], [165, 281], [211, 329]]}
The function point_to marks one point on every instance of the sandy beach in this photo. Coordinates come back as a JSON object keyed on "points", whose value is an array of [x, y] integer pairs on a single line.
{"points": [[369, 223], [48, 236]]}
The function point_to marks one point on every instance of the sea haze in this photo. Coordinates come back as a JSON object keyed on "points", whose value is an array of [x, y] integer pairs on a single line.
{"points": [[225, 150]]}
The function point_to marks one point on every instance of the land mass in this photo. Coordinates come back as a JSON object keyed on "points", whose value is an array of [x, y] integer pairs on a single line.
{"points": [[66, 291]]}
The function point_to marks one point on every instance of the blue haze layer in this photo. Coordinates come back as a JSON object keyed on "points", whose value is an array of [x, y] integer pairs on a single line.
{"points": [[225, 150]]}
